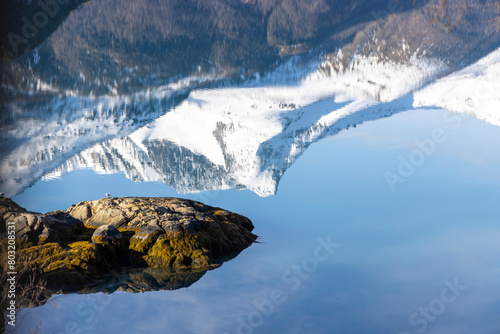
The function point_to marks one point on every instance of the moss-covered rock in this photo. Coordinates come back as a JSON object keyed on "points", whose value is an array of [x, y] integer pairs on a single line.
{"points": [[77, 246], [105, 234]]}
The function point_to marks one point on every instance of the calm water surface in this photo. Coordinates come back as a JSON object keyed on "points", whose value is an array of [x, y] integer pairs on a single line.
{"points": [[339, 251], [372, 216]]}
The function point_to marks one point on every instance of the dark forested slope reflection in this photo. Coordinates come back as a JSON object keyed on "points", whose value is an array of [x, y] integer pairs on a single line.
{"points": [[119, 45], [114, 66], [26, 24]]}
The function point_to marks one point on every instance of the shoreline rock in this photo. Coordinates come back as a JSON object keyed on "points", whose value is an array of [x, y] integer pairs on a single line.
{"points": [[77, 246]]}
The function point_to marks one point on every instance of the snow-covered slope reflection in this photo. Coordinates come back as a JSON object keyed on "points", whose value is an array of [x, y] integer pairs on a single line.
{"points": [[218, 139], [243, 137]]}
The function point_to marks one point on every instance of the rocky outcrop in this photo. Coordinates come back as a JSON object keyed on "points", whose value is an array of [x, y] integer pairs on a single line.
{"points": [[37, 228], [77, 246]]}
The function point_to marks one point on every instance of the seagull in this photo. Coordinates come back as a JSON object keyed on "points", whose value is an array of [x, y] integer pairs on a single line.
{"points": [[108, 195], [2, 194]]}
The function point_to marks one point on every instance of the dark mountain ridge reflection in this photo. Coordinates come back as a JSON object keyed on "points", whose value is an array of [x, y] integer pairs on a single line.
{"points": [[26, 24], [114, 67], [123, 46]]}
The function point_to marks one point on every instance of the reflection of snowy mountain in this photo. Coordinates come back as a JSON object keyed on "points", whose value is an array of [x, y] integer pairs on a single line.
{"points": [[474, 90], [245, 138], [221, 138], [40, 133]]}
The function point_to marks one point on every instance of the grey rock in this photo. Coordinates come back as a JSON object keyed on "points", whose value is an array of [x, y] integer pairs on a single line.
{"points": [[155, 232], [106, 233]]}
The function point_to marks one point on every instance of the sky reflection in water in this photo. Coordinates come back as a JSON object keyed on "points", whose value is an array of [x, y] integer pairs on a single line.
{"points": [[396, 248]]}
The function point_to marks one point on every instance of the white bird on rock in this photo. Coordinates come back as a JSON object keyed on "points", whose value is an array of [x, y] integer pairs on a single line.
{"points": [[108, 195]]}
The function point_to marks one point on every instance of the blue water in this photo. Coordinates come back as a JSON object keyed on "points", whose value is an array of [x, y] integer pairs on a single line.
{"points": [[341, 251]]}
